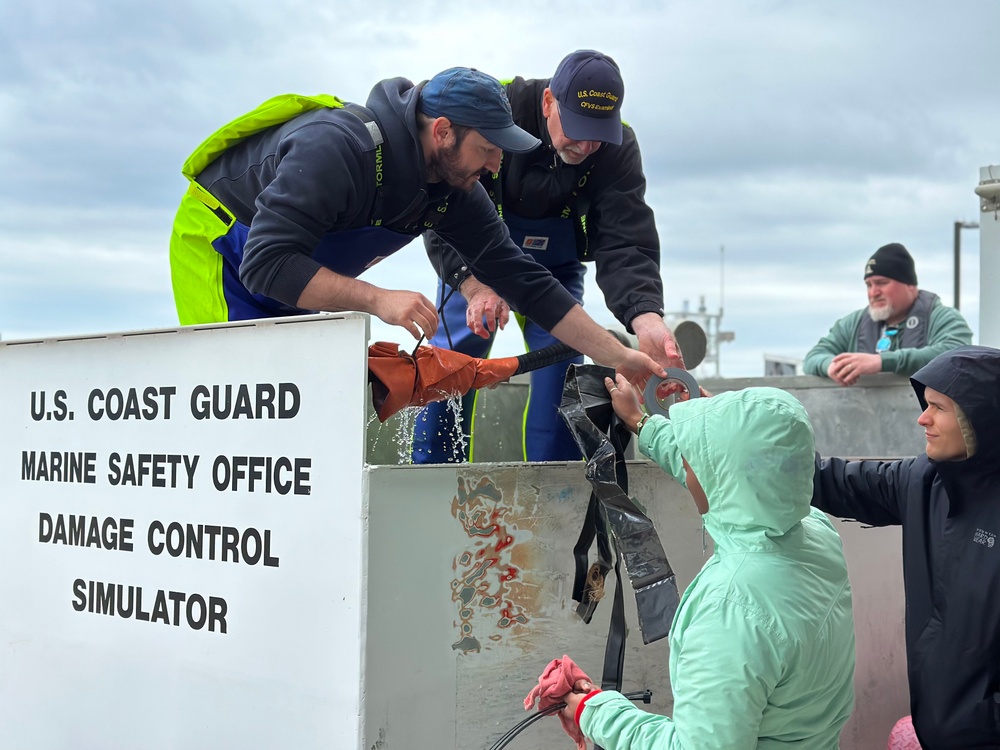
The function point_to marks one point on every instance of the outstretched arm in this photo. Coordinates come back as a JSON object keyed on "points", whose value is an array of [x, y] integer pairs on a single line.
{"points": [[581, 332], [867, 491]]}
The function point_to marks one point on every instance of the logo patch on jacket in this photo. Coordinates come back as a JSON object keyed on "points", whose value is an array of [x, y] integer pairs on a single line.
{"points": [[986, 538], [535, 243]]}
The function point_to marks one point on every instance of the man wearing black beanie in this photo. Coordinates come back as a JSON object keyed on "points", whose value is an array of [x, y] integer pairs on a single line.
{"points": [[902, 329]]}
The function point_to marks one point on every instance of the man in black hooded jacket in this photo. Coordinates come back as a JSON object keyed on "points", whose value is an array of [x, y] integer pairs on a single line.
{"points": [[290, 203], [948, 502]]}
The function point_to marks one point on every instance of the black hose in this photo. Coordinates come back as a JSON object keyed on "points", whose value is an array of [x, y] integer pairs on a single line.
{"points": [[544, 357], [646, 696]]}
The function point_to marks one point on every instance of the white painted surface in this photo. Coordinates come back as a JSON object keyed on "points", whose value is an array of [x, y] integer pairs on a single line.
{"points": [[989, 266], [287, 669]]}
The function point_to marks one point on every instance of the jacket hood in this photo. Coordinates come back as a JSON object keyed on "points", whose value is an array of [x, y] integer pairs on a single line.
{"points": [[753, 453], [398, 96], [394, 102], [969, 376]]}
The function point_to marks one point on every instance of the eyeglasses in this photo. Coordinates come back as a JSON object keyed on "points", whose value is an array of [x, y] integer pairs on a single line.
{"points": [[884, 344]]}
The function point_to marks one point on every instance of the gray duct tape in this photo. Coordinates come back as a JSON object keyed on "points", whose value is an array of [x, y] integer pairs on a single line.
{"points": [[655, 405]]}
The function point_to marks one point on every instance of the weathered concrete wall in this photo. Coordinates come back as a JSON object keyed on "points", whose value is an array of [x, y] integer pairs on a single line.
{"points": [[875, 418], [468, 592]]}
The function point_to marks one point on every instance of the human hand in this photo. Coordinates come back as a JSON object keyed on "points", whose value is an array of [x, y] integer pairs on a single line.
{"points": [[484, 304], [581, 690], [411, 310], [637, 367], [846, 368], [658, 341], [624, 400]]}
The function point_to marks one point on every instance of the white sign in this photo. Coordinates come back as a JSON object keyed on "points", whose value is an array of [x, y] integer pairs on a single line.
{"points": [[181, 537]]}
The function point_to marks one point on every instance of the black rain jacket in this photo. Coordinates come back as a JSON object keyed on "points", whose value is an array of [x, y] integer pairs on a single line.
{"points": [[608, 188], [316, 173], [950, 515]]}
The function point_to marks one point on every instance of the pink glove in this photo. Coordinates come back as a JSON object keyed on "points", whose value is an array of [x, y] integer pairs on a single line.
{"points": [[903, 737], [557, 679]]}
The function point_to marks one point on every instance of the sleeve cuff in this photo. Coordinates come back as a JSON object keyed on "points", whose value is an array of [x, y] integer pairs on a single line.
{"points": [[640, 309], [579, 708], [645, 436], [287, 279]]}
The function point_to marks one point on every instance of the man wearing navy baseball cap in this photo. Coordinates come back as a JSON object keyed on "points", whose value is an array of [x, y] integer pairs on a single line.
{"points": [[589, 90], [578, 198], [473, 99], [290, 203]]}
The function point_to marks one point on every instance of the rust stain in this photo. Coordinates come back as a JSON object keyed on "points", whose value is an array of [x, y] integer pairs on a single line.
{"points": [[490, 591]]}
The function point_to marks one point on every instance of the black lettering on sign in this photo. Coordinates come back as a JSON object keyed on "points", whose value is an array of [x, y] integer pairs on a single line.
{"points": [[86, 531], [209, 542], [152, 469], [53, 466], [60, 411], [168, 607], [262, 474], [117, 404], [240, 402]]}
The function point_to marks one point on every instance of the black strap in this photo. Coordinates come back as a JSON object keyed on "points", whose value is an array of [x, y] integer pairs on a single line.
{"points": [[415, 216], [614, 652], [613, 517], [381, 156], [589, 579], [495, 190]]}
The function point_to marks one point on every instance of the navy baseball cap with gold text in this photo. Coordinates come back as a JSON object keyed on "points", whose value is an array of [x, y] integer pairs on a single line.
{"points": [[589, 88]]}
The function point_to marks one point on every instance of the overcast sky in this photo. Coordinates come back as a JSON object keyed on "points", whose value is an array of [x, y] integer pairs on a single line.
{"points": [[798, 135]]}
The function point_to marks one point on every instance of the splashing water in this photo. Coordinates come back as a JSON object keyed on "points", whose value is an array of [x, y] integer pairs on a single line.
{"points": [[404, 433], [406, 421], [459, 443], [456, 438]]}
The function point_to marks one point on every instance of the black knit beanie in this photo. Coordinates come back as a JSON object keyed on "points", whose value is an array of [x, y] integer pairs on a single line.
{"points": [[894, 262]]}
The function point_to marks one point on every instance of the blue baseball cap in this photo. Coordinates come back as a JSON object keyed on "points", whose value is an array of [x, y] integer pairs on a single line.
{"points": [[590, 90], [471, 98]]}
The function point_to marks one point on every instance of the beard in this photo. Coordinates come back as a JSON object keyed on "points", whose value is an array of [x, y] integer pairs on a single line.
{"points": [[447, 167], [881, 314], [569, 156]]}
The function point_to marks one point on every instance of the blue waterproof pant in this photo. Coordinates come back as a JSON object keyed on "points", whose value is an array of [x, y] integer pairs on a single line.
{"points": [[545, 436]]}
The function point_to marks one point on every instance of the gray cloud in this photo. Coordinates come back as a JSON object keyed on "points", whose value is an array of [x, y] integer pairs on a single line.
{"points": [[800, 135]]}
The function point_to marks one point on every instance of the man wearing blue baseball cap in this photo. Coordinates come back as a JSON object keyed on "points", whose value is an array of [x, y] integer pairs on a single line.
{"points": [[290, 203], [578, 198]]}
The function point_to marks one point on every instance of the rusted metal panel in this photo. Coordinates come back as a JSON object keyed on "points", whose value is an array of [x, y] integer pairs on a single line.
{"points": [[470, 572]]}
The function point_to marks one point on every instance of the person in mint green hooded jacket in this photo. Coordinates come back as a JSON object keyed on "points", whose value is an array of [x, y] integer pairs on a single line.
{"points": [[762, 645]]}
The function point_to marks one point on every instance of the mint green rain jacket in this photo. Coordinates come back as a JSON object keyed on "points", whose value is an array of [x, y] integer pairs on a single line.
{"points": [[762, 645]]}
